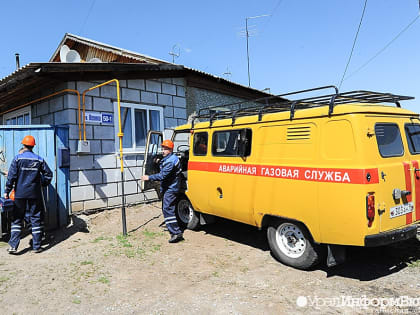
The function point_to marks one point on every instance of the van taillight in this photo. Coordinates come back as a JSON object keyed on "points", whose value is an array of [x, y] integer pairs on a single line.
{"points": [[370, 208]]}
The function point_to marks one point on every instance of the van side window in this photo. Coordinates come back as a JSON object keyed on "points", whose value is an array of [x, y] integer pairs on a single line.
{"points": [[412, 132], [389, 140], [232, 142], [200, 143]]}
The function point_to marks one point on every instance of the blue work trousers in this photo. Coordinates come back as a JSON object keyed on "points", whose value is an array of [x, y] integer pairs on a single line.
{"points": [[168, 209], [26, 209]]}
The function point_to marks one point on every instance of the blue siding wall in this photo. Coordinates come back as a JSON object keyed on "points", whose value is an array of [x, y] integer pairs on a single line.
{"points": [[48, 140]]}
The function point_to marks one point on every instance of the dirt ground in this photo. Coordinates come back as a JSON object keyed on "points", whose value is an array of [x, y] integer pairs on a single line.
{"points": [[226, 267]]}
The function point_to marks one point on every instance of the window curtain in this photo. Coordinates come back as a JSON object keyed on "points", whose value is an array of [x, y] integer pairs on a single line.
{"points": [[141, 127]]}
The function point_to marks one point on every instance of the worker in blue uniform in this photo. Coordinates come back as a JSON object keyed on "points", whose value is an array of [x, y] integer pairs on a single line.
{"points": [[170, 181], [27, 173]]}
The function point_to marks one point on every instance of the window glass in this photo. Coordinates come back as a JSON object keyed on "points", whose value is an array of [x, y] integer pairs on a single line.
{"points": [[412, 132], [232, 142], [20, 120], [126, 127], [18, 117], [389, 140], [136, 121], [154, 120], [200, 143], [141, 127]]}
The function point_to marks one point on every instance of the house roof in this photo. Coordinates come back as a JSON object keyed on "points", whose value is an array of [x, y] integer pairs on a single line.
{"points": [[36, 78], [88, 49], [116, 63]]}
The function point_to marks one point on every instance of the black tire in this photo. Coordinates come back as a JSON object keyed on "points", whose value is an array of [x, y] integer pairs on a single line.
{"points": [[291, 244], [187, 217]]}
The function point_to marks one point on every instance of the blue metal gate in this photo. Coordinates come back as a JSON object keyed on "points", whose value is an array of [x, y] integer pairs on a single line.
{"points": [[51, 144]]}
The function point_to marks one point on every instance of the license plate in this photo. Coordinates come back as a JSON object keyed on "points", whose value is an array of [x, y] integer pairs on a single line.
{"points": [[401, 209]]}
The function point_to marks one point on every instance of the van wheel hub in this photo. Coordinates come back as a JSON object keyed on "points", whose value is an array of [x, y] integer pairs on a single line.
{"points": [[184, 211], [290, 240]]}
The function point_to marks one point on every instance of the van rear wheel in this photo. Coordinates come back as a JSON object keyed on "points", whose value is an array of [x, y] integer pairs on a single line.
{"points": [[292, 245], [187, 216]]}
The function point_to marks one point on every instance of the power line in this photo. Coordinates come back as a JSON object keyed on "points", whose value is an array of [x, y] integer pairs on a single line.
{"points": [[87, 17], [271, 15], [382, 50], [354, 44]]}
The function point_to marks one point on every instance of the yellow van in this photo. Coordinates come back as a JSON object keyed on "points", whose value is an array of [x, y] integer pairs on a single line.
{"points": [[318, 173]]}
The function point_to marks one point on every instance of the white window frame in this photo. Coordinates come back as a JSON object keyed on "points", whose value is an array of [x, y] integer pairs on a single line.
{"points": [[16, 113], [133, 106]]}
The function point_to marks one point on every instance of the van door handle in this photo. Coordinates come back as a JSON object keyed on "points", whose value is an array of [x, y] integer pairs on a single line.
{"points": [[415, 172], [219, 190], [405, 193]]}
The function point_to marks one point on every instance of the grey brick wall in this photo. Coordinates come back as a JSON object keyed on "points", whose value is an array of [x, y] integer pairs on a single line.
{"points": [[199, 98], [95, 178]]}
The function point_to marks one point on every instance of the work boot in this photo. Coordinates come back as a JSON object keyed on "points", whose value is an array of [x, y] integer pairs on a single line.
{"points": [[38, 250], [12, 250], [175, 238]]}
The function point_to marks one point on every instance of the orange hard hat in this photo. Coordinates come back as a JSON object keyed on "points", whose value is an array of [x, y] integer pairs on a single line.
{"points": [[29, 141], [168, 144]]}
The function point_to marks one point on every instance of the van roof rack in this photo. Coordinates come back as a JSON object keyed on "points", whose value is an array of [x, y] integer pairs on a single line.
{"points": [[277, 103]]}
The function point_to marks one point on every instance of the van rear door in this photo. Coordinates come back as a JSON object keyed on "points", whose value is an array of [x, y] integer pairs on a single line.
{"points": [[395, 196], [412, 134]]}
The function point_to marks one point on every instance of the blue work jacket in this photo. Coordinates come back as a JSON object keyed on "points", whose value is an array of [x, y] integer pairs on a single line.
{"points": [[169, 176], [26, 172]]}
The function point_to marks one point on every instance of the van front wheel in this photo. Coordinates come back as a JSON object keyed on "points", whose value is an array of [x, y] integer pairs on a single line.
{"points": [[292, 245], [187, 216]]}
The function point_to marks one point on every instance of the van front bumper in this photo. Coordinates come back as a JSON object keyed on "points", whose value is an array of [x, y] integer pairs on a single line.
{"points": [[391, 236]]}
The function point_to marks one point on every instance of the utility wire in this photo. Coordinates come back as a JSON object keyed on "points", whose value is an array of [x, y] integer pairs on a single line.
{"points": [[271, 15], [354, 43], [382, 50], [87, 17]]}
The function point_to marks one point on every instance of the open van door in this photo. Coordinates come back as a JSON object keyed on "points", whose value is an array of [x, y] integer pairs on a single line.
{"points": [[152, 156]]}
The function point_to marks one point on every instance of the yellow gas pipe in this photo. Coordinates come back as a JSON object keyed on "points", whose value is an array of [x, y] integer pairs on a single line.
{"points": [[120, 136], [49, 96]]}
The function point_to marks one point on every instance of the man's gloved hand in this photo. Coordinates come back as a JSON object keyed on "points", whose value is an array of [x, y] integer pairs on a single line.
{"points": [[6, 196]]}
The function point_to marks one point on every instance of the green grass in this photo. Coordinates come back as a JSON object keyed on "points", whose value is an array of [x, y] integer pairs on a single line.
{"points": [[86, 262], [123, 240], [101, 238], [151, 235], [156, 247], [133, 246], [76, 301], [3, 279], [3, 244], [414, 263], [104, 280]]}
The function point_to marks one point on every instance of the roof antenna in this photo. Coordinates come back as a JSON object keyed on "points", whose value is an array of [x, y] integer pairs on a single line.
{"points": [[227, 73], [17, 61], [173, 53]]}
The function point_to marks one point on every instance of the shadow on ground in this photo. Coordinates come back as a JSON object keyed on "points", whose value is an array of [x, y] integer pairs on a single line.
{"points": [[78, 224], [367, 264], [52, 237], [238, 232], [362, 263]]}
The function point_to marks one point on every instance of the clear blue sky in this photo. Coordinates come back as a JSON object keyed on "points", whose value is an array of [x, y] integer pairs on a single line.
{"points": [[303, 44]]}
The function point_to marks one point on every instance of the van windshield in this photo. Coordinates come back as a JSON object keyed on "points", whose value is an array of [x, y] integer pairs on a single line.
{"points": [[181, 140], [412, 132]]}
